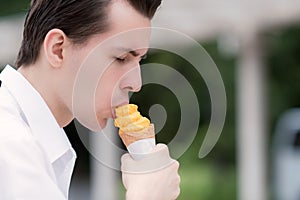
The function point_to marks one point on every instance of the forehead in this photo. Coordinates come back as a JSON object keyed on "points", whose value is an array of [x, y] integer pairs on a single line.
{"points": [[122, 16], [127, 27]]}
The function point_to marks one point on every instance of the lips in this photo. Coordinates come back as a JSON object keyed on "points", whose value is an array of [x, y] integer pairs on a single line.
{"points": [[113, 113], [113, 109]]}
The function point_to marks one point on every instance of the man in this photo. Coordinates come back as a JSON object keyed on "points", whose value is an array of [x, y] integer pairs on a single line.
{"points": [[37, 100]]}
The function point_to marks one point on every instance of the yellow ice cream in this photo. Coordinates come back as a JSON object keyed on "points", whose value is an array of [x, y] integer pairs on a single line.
{"points": [[128, 119], [133, 126]]}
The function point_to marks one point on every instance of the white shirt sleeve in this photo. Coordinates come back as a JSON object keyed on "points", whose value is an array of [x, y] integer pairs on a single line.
{"points": [[24, 172]]}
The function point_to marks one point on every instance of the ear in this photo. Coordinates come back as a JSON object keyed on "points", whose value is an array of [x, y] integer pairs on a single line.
{"points": [[54, 45]]}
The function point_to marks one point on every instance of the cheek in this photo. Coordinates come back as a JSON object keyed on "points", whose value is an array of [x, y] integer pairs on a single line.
{"points": [[67, 83], [107, 86]]}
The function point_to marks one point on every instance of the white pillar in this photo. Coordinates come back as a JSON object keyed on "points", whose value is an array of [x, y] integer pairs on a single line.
{"points": [[105, 182], [251, 121]]}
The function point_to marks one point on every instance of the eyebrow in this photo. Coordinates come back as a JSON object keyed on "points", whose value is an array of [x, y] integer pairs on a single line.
{"points": [[134, 53]]}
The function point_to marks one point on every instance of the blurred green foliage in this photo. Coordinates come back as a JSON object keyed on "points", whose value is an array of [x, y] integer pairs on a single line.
{"points": [[283, 61], [13, 7]]}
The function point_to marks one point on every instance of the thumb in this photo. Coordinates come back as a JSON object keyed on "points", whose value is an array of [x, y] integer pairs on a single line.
{"points": [[162, 148], [158, 159]]}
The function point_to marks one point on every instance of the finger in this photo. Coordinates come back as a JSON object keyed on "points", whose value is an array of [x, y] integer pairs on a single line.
{"points": [[161, 147], [126, 162], [160, 151]]}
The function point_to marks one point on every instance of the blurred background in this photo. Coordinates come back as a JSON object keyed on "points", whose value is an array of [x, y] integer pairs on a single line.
{"points": [[256, 47]]}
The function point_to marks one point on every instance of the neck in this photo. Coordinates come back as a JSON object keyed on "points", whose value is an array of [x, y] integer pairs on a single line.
{"points": [[47, 87]]}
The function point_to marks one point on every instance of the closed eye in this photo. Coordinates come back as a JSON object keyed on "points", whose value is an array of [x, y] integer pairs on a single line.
{"points": [[121, 60]]}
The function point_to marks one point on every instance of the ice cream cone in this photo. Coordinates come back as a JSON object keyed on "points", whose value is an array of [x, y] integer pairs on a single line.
{"points": [[136, 131]]}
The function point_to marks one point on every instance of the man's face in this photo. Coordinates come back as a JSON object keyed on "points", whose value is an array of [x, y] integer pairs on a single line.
{"points": [[110, 62]]}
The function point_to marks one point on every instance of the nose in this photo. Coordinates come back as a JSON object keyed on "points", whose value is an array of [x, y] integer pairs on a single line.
{"points": [[132, 80]]}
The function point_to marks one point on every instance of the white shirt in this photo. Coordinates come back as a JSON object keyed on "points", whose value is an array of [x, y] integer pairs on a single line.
{"points": [[36, 157]]}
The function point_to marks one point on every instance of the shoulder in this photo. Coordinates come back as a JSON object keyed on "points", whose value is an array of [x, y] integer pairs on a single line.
{"points": [[16, 137], [12, 124]]}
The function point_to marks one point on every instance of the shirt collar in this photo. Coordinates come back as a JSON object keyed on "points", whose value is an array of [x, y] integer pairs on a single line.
{"points": [[38, 115]]}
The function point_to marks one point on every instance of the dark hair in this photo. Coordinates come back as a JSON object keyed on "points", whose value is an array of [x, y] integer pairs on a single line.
{"points": [[78, 19]]}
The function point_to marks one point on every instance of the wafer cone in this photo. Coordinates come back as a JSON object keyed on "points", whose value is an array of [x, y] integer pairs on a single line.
{"points": [[129, 138]]}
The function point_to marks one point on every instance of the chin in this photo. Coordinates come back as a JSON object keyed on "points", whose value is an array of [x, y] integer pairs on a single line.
{"points": [[103, 117], [102, 121]]}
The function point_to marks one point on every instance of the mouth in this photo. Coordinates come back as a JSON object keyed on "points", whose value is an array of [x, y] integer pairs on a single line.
{"points": [[113, 110], [113, 113]]}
